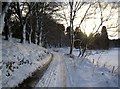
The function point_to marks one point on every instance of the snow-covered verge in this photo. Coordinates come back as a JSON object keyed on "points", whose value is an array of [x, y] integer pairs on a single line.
{"points": [[20, 61], [108, 58], [83, 73]]}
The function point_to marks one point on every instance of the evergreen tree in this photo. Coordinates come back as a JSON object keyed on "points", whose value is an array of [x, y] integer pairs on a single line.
{"points": [[77, 37], [7, 21], [68, 36], [90, 41], [80, 41], [104, 38], [97, 41]]}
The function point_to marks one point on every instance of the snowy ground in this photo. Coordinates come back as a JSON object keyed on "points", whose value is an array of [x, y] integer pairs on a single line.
{"points": [[55, 75], [20, 61], [108, 58], [71, 71]]}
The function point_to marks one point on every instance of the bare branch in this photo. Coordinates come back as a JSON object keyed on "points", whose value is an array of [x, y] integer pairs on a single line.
{"points": [[85, 15]]}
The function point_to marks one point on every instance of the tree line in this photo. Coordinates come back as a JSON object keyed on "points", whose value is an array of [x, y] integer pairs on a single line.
{"points": [[93, 41], [34, 22]]}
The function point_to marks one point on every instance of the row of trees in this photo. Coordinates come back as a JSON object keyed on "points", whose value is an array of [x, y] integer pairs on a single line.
{"points": [[99, 40], [32, 21], [37, 23], [88, 11], [94, 41]]}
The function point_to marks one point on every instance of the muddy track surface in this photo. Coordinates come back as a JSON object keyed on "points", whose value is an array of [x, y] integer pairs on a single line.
{"points": [[31, 81]]}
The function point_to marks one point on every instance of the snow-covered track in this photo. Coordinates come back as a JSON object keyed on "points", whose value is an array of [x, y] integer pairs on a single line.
{"points": [[55, 75], [46, 79]]}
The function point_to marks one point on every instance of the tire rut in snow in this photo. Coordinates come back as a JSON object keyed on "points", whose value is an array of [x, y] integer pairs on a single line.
{"points": [[55, 75], [46, 79], [31, 81]]}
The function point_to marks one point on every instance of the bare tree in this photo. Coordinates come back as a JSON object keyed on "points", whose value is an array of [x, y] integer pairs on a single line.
{"points": [[22, 9], [93, 8], [4, 7], [74, 7], [43, 8], [103, 8]]}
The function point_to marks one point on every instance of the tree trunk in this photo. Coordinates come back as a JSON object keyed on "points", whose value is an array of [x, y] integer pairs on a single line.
{"points": [[72, 41], [6, 31], [3, 16], [36, 33], [24, 33], [40, 35], [36, 37], [41, 29], [71, 28], [10, 34], [30, 35], [40, 38], [71, 36]]}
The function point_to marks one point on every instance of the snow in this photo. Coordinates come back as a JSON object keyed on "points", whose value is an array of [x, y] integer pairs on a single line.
{"points": [[71, 71], [109, 58], [55, 75], [20, 61], [82, 73]]}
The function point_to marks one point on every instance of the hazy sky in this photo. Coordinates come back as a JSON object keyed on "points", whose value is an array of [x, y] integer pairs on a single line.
{"points": [[88, 25], [95, 20]]}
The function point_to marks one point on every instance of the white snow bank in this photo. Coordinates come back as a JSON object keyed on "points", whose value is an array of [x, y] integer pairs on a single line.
{"points": [[20, 60], [109, 58], [82, 73]]}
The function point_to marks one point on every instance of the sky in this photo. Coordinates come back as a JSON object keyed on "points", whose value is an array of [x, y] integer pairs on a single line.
{"points": [[88, 25]]}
